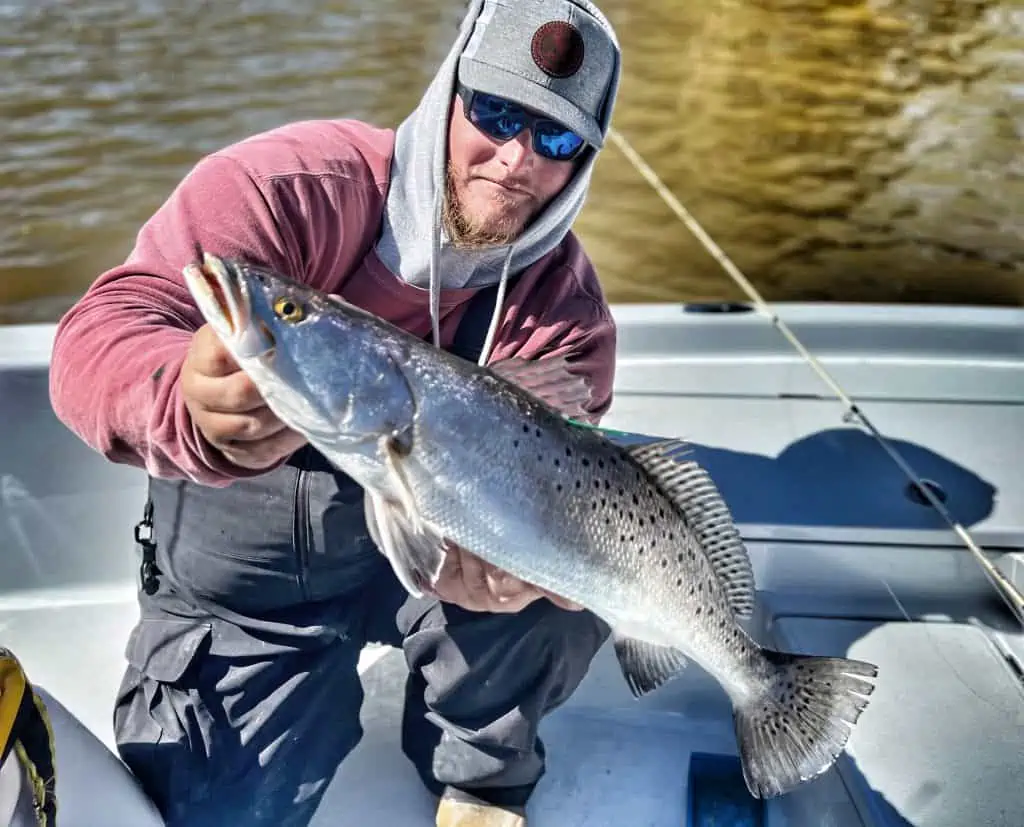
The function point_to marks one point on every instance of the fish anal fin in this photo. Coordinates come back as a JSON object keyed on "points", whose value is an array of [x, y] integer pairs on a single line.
{"points": [[549, 379], [694, 493], [646, 666]]}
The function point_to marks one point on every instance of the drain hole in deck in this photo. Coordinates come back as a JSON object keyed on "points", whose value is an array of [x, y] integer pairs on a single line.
{"points": [[916, 495]]}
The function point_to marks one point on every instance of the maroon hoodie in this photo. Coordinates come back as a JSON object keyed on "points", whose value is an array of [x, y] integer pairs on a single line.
{"points": [[307, 200]]}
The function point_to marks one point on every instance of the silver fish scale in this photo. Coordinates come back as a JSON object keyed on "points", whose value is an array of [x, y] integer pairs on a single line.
{"points": [[573, 513]]}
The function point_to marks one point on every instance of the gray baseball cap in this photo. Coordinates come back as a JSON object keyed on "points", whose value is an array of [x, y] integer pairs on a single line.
{"points": [[551, 56]]}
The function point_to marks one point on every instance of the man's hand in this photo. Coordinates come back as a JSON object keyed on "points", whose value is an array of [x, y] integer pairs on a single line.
{"points": [[228, 409], [469, 582]]}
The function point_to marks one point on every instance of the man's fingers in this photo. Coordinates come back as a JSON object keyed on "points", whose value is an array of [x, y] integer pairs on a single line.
{"points": [[477, 586], [562, 602], [234, 393], [265, 452], [474, 578], [208, 354], [224, 430]]}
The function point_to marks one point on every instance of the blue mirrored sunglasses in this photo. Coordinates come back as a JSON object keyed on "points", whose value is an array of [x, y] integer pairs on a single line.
{"points": [[502, 120]]}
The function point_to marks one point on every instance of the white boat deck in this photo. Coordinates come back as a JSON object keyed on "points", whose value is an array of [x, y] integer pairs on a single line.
{"points": [[845, 561]]}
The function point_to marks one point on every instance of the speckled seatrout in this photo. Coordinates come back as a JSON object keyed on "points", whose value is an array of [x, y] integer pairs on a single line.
{"points": [[447, 449]]}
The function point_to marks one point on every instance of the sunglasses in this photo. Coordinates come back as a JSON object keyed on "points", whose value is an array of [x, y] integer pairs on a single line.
{"points": [[502, 120]]}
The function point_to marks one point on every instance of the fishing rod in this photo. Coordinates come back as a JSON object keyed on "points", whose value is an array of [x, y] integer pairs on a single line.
{"points": [[1010, 594]]}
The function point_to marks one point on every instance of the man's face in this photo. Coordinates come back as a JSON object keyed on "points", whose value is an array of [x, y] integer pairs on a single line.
{"points": [[495, 188]]}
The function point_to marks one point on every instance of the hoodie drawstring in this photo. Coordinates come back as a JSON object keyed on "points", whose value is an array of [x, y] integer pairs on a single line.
{"points": [[498, 302], [435, 287], [435, 259]]}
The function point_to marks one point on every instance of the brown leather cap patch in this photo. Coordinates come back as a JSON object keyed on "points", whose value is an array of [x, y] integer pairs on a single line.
{"points": [[557, 48]]}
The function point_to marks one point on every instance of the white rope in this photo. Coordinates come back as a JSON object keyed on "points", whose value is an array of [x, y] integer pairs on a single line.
{"points": [[1003, 586]]}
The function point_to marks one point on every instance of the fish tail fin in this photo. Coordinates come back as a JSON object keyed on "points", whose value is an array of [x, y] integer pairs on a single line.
{"points": [[795, 729]]}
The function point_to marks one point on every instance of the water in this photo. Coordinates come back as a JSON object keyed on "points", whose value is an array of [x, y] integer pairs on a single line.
{"points": [[850, 151]]}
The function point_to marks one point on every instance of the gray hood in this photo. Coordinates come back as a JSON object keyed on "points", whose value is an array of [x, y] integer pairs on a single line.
{"points": [[413, 244]]}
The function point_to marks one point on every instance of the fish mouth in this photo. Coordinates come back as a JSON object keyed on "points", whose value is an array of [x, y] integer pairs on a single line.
{"points": [[223, 298]]}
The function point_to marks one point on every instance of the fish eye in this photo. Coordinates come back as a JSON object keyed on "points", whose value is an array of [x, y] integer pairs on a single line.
{"points": [[289, 310]]}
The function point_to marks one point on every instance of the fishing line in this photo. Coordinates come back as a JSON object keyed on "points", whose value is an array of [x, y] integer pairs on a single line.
{"points": [[1009, 593]]}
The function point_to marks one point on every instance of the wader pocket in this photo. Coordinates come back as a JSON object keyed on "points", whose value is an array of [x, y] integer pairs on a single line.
{"points": [[163, 648]]}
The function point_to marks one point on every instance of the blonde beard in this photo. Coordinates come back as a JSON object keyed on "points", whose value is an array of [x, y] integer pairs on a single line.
{"points": [[464, 232]]}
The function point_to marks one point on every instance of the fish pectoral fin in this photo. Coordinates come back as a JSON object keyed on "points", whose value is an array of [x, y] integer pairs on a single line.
{"points": [[646, 666], [550, 380], [415, 552]]}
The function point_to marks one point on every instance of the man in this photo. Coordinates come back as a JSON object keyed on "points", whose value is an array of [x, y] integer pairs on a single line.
{"points": [[260, 583]]}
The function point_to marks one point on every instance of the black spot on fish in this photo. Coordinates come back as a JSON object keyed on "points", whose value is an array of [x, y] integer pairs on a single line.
{"points": [[698, 609], [586, 462], [680, 558], [558, 487], [679, 582], [578, 485], [607, 485], [537, 432], [600, 463], [597, 483], [515, 443], [540, 458], [568, 452], [664, 562], [636, 500], [557, 462], [604, 502], [526, 429]]}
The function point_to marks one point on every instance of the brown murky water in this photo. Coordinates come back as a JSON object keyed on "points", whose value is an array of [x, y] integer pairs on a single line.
{"points": [[849, 151]]}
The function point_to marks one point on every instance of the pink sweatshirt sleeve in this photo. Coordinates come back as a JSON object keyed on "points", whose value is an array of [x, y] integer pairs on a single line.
{"points": [[561, 311], [119, 351], [589, 345]]}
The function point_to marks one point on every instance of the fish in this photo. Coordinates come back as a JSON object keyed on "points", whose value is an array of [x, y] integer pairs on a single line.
{"points": [[501, 461]]}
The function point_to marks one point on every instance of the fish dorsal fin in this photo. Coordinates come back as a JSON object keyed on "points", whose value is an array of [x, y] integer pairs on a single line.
{"points": [[549, 379], [694, 493]]}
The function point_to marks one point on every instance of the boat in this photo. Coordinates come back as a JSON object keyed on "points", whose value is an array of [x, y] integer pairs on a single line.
{"points": [[856, 535]]}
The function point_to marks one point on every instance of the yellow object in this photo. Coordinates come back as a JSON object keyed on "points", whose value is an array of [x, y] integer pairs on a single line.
{"points": [[465, 811], [25, 732]]}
